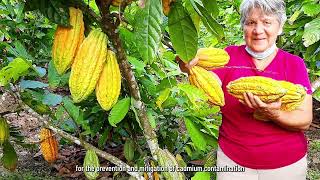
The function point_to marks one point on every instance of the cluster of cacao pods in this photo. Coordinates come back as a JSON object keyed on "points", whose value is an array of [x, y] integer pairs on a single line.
{"points": [[269, 90], [48, 145], [93, 67], [199, 76]]}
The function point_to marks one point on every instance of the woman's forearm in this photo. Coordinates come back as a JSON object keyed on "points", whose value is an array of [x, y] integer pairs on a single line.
{"points": [[299, 119]]}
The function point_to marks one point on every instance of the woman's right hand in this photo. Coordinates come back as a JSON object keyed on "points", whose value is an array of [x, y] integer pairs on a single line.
{"points": [[186, 67]]}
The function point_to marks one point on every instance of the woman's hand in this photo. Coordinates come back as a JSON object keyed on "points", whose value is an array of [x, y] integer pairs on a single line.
{"points": [[185, 67], [268, 110]]}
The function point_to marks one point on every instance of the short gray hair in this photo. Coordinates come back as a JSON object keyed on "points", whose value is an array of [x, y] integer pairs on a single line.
{"points": [[276, 7]]}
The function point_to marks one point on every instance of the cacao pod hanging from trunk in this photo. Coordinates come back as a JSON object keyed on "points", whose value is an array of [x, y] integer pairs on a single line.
{"points": [[109, 84], [67, 41], [49, 145], [87, 66]]}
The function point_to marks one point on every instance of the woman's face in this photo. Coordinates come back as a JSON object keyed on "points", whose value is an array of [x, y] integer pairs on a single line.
{"points": [[260, 30]]}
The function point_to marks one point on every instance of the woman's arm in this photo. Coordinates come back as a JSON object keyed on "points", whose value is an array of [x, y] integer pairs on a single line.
{"points": [[297, 120]]}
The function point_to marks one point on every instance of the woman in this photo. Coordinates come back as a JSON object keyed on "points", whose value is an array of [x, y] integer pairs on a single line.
{"points": [[274, 149]]}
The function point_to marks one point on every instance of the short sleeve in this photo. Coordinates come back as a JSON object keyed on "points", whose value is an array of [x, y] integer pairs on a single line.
{"points": [[299, 74]]}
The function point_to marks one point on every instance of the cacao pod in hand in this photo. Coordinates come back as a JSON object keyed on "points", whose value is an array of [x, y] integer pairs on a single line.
{"points": [[49, 145], [4, 130], [203, 79], [67, 41], [91, 165], [294, 96], [87, 66], [210, 58], [267, 89], [109, 84]]}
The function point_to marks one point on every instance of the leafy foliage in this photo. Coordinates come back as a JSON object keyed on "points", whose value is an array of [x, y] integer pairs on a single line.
{"points": [[148, 31]]}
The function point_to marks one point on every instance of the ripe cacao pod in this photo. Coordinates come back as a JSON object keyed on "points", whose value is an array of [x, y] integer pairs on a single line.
{"points": [[109, 84], [49, 145], [210, 58], [91, 165], [4, 130], [205, 80], [87, 66], [295, 92], [67, 41], [294, 96], [267, 89]]}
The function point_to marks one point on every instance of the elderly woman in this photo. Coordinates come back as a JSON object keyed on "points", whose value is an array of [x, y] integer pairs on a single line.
{"points": [[274, 149]]}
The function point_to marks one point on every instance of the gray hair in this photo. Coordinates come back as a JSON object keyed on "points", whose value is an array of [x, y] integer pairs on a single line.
{"points": [[276, 7]]}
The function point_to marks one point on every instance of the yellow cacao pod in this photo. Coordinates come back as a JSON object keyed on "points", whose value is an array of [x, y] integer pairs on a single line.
{"points": [[109, 84], [49, 145], [295, 92], [4, 130], [205, 80], [67, 41], [91, 164], [267, 89], [87, 66], [210, 58]]}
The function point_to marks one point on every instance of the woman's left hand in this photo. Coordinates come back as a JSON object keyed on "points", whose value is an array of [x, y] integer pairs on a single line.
{"points": [[269, 110]]}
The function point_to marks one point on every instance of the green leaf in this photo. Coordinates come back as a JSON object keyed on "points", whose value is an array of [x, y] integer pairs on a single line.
{"points": [[208, 21], [195, 134], [52, 99], [148, 30], [9, 158], [183, 33], [201, 176], [211, 6], [15, 69], [194, 94], [52, 9], [152, 120], [72, 109], [119, 111], [76, 114], [19, 51], [311, 9], [137, 65], [162, 97], [294, 17], [54, 78], [28, 84], [311, 32]]}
